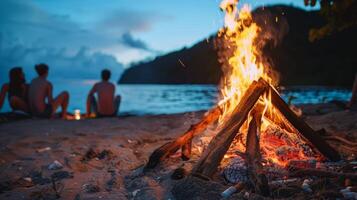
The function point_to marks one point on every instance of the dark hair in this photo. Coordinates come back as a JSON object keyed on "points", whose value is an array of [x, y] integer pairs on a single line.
{"points": [[41, 69], [106, 74], [17, 80]]}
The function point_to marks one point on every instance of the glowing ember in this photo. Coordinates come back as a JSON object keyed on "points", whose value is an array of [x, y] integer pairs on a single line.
{"points": [[244, 64]]}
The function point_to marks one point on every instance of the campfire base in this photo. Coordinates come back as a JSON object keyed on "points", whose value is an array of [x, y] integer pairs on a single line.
{"points": [[199, 184]]}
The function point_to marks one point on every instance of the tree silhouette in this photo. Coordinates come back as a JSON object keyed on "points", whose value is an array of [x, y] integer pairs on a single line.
{"points": [[339, 14]]}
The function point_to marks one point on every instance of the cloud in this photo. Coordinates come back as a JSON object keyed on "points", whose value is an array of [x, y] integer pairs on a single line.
{"points": [[120, 21], [30, 24], [81, 65], [128, 40], [30, 34]]}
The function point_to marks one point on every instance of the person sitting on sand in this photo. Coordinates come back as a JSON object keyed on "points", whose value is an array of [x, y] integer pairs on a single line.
{"points": [[41, 101], [353, 102], [107, 105], [17, 91]]}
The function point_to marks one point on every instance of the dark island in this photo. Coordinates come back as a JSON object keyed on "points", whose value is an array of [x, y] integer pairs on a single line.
{"points": [[299, 61]]}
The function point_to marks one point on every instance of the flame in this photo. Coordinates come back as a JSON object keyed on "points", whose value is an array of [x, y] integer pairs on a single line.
{"points": [[243, 66]]}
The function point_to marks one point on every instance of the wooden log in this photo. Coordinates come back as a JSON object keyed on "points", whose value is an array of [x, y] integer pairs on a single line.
{"points": [[309, 172], [252, 144], [219, 145], [171, 147], [253, 156], [186, 150], [303, 128], [342, 140]]}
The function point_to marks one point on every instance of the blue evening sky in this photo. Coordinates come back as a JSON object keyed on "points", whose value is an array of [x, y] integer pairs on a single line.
{"points": [[81, 36], [173, 24]]}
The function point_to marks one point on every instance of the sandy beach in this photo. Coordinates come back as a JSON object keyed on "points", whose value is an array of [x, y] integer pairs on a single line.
{"points": [[100, 158]]}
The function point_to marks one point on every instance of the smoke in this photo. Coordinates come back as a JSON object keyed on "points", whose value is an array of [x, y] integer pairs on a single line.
{"points": [[273, 29]]}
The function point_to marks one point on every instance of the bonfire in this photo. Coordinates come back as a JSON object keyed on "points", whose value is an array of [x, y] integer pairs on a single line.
{"points": [[259, 138]]}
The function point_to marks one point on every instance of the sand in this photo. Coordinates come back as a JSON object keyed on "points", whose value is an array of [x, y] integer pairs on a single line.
{"points": [[28, 147]]}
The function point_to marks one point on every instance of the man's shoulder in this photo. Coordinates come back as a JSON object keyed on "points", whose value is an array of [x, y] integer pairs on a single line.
{"points": [[40, 81], [49, 83], [46, 82], [106, 83], [97, 84], [112, 84]]}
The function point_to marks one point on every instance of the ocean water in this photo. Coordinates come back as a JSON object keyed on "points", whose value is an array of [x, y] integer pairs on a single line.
{"points": [[168, 99]]}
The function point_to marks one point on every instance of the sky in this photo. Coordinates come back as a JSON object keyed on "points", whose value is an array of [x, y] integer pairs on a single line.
{"points": [[79, 38]]}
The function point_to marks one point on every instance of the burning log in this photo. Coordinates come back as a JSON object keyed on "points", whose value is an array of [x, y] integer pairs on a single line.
{"points": [[304, 129], [219, 145], [184, 141], [253, 159]]}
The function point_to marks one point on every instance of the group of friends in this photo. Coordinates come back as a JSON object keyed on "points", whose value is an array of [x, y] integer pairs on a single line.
{"points": [[36, 98]]}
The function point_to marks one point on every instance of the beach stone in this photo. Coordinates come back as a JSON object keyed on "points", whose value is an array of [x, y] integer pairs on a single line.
{"points": [[105, 154], [61, 175], [24, 182], [89, 155], [91, 188], [37, 178], [144, 187], [236, 171], [55, 165], [193, 188]]}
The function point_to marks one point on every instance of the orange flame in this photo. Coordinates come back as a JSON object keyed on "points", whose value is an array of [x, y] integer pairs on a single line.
{"points": [[243, 67]]}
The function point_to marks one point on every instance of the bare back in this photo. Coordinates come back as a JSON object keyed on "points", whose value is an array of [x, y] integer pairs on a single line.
{"points": [[39, 91], [105, 91]]}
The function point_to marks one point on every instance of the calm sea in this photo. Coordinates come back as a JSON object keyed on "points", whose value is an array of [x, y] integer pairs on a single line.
{"points": [[168, 99]]}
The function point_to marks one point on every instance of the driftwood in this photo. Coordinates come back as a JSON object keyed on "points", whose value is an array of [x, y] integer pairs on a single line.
{"points": [[321, 173], [184, 141], [343, 144], [303, 128], [219, 145], [253, 156]]}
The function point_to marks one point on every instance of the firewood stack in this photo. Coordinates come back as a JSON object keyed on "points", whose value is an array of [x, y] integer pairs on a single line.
{"points": [[211, 158]]}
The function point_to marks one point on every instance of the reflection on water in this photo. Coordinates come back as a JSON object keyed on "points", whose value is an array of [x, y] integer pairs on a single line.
{"points": [[301, 95], [168, 99], [158, 99]]}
